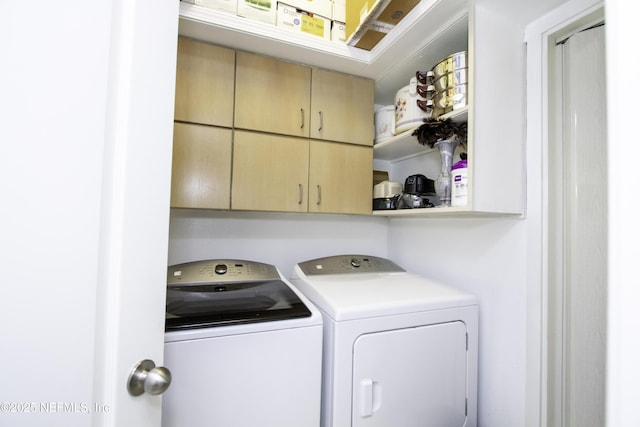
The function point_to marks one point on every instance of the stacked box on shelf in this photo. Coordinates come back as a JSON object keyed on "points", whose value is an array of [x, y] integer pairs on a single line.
{"points": [[259, 10], [322, 18], [369, 21], [323, 8], [338, 21], [303, 21], [338, 32], [224, 5]]}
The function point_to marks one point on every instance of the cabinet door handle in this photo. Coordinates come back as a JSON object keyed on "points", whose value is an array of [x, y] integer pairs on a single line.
{"points": [[319, 195], [320, 113], [299, 194], [301, 118]]}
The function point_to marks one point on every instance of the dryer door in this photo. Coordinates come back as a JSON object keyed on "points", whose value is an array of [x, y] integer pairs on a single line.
{"points": [[411, 377]]}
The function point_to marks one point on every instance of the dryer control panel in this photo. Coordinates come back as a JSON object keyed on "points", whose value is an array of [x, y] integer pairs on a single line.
{"points": [[349, 264]]}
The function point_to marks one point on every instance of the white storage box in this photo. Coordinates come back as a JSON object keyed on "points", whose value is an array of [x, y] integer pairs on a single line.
{"points": [[225, 5], [303, 22], [338, 32], [259, 10], [339, 10], [316, 7]]}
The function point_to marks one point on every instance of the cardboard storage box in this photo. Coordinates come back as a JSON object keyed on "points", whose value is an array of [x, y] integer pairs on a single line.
{"points": [[259, 10], [369, 21], [225, 5], [380, 176], [316, 7], [303, 22]]}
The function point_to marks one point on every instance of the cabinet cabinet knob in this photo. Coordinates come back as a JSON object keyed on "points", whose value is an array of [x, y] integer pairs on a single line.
{"points": [[299, 194], [320, 114], [319, 196], [301, 118]]}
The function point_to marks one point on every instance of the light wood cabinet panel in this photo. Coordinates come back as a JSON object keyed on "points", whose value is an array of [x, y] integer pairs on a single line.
{"points": [[204, 83], [270, 172], [342, 108], [272, 95], [267, 166], [201, 173], [340, 178]]}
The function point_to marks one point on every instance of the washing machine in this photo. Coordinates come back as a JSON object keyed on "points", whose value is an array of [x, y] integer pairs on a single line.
{"points": [[399, 349], [243, 345]]}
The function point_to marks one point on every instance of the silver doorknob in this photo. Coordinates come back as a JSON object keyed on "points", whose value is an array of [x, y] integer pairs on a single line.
{"points": [[145, 377]]}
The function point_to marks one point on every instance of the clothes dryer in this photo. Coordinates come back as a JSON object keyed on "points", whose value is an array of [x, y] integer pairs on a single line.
{"points": [[243, 345], [399, 349]]}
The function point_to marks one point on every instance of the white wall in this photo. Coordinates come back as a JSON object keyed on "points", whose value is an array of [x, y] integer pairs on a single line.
{"points": [[486, 257], [274, 238], [53, 106]]}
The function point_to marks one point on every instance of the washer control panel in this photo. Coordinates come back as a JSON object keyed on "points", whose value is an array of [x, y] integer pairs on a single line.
{"points": [[220, 271], [348, 264]]}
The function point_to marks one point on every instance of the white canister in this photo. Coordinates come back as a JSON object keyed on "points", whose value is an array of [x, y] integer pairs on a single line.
{"points": [[459, 184], [384, 121], [407, 112]]}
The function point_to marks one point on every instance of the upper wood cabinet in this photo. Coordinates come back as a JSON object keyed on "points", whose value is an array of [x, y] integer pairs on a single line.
{"points": [[289, 174], [271, 95], [290, 99], [340, 178], [342, 107], [270, 172], [204, 83], [242, 134], [201, 171]]}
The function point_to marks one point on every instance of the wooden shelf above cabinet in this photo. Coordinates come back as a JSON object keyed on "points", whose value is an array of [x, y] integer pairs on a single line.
{"points": [[406, 145]]}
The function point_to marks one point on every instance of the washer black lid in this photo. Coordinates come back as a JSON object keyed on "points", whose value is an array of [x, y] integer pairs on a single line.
{"points": [[225, 292]]}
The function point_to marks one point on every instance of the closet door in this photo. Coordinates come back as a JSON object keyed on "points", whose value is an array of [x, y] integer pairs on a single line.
{"points": [[579, 290]]}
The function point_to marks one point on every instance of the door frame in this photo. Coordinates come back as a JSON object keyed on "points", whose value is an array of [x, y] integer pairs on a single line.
{"points": [[561, 297], [540, 39]]}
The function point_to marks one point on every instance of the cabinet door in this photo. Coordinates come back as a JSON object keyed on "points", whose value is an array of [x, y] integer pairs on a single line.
{"points": [[270, 172], [342, 108], [340, 178], [201, 174], [204, 83], [271, 95]]}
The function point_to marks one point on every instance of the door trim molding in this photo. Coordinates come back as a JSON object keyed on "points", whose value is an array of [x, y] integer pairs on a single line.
{"points": [[540, 37]]}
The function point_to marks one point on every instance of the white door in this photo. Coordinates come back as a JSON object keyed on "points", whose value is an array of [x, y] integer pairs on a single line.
{"points": [[86, 107], [411, 377], [579, 289]]}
